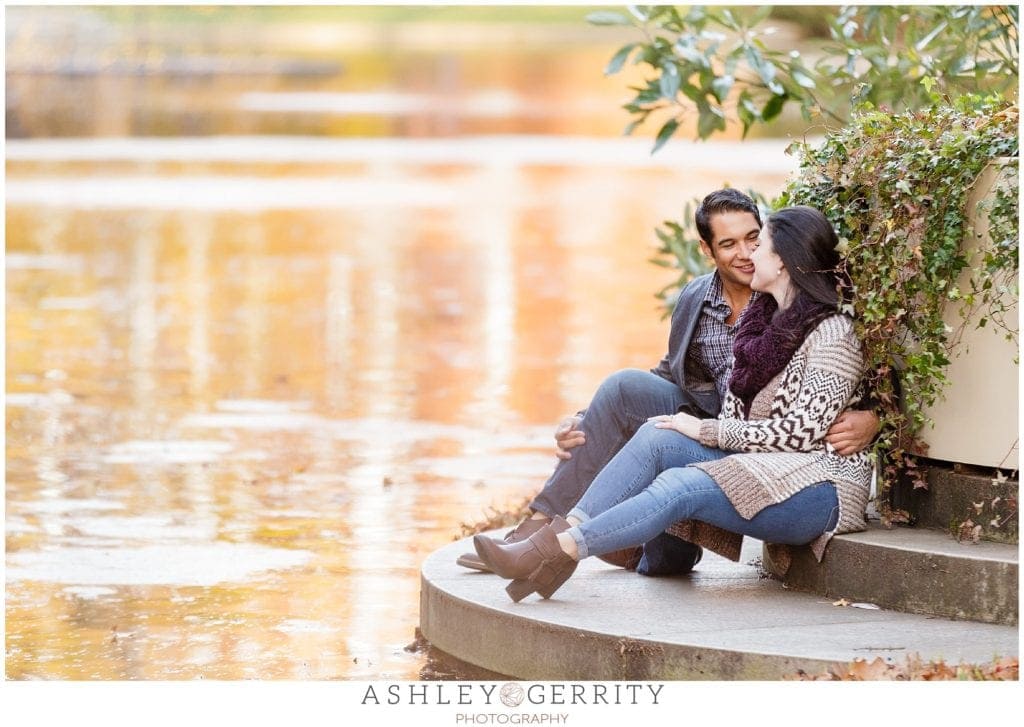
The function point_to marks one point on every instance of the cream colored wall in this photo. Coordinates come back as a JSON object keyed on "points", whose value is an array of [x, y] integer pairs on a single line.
{"points": [[977, 423]]}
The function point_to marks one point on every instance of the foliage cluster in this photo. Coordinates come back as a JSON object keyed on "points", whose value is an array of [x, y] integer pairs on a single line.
{"points": [[721, 62], [895, 187]]}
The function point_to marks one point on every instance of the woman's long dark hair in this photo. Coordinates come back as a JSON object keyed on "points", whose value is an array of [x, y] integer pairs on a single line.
{"points": [[806, 242]]}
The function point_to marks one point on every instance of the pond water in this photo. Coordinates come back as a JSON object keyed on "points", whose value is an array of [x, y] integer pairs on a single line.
{"points": [[253, 379]]}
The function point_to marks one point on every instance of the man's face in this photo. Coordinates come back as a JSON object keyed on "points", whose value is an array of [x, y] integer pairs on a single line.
{"points": [[733, 239]]}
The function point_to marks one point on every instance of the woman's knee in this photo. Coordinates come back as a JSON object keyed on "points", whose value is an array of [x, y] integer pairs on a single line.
{"points": [[685, 489], [655, 441]]}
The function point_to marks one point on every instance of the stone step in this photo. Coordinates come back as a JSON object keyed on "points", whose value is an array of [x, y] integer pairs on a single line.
{"points": [[724, 621], [915, 570], [957, 493]]}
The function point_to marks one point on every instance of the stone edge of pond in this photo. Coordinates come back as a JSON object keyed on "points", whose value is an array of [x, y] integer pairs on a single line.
{"points": [[726, 621]]}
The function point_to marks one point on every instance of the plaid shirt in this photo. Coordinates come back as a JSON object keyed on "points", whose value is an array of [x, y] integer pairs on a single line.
{"points": [[711, 347]]}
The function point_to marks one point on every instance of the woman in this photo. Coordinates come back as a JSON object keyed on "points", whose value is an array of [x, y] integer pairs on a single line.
{"points": [[763, 467]]}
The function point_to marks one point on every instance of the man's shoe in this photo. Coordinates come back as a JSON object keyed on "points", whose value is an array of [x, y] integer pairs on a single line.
{"points": [[537, 564], [516, 535], [667, 555], [628, 558]]}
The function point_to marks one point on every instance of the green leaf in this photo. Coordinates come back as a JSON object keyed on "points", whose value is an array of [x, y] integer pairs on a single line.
{"points": [[709, 120], [721, 86], [803, 79], [746, 116], [666, 132], [923, 43], [765, 68], [619, 59], [773, 108], [696, 15], [632, 126], [692, 92], [690, 54], [762, 13], [729, 19], [669, 80], [605, 17], [747, 104]]}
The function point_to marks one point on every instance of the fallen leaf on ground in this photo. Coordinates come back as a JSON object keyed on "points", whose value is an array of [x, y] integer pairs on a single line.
{"points": [[870, 671]]}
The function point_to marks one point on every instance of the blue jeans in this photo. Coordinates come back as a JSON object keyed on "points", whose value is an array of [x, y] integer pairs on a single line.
{"points": [[623, 402], [645, 489]]}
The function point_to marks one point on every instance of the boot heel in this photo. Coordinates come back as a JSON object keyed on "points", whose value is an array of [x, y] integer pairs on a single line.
{"points": [[520, 588], [548, 590]]}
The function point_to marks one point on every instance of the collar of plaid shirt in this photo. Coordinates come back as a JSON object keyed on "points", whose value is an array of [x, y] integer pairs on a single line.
{"points": [[711, 346]]}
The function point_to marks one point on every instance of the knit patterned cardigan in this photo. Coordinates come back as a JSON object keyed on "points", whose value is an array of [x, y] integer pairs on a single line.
{"points": [[781, 446]]}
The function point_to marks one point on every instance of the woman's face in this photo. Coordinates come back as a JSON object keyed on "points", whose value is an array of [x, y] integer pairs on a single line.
{"points": [[770, 275]]}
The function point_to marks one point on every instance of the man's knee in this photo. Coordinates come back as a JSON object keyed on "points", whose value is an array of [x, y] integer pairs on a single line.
{"points": [[626, 385]]}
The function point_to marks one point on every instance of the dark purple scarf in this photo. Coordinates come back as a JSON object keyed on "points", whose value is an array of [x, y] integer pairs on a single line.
{"points": [[765, 342]]}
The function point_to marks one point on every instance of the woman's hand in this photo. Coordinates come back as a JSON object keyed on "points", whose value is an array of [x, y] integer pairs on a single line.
{"points": [[683, 423]]}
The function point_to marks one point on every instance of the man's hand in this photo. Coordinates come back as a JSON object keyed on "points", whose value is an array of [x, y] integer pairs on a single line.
{"points": [[853, 431], [567, 436]]}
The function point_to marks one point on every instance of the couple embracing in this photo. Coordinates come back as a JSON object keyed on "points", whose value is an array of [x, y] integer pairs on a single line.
{"points": [[754, 423]]}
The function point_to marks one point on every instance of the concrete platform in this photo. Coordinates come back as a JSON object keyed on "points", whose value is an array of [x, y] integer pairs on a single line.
{"points": [[725, 621], [915, 570]]}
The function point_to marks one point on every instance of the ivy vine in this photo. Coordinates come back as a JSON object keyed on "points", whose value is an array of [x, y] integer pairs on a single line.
{"points": [[895, 186]]}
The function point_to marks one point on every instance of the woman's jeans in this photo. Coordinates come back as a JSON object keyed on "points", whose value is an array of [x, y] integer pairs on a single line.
{"points": [[646, 488]]}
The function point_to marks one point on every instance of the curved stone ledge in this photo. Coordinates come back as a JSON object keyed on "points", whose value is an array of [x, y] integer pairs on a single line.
{"points": [[725, 622], [914, 570]]}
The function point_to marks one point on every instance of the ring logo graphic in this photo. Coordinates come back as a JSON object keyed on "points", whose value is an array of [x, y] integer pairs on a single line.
{"points": [[512, 695]]}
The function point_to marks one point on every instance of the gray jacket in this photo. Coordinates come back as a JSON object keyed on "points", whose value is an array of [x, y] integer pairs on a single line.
{"points": [[701, 391]]}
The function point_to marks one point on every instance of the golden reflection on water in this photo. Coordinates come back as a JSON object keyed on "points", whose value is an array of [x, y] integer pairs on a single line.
{"points": [[247, 394], [194, 392]]}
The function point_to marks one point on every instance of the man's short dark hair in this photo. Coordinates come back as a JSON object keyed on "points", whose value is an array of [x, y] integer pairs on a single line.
{"points": [[723, 200]]}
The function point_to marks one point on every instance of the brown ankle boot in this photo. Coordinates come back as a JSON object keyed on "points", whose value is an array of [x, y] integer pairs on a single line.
{"points": [[535, 564], [517, 534]]}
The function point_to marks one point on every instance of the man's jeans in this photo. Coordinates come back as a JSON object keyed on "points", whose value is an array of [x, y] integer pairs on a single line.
{"points": [[623, 402], [644, 489]]}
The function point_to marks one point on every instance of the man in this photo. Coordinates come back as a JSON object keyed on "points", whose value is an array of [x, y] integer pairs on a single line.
{"points": [[693, 377]]}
